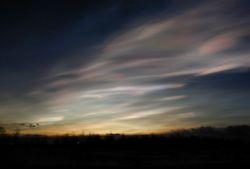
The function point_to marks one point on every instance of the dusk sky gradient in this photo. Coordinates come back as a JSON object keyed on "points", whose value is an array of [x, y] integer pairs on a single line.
{"points": [[124, 66]]}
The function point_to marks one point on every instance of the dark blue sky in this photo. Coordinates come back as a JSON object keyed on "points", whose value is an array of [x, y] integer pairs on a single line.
{"points": [[133, 66]]}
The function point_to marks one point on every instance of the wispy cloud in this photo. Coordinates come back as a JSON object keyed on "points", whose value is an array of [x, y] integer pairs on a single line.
{"points": [[196, 42], [139, 69]]}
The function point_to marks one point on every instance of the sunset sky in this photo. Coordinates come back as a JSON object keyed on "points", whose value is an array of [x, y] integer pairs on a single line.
{"points": [[124, 66]]}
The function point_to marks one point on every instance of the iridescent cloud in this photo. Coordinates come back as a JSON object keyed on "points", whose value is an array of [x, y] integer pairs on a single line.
{"points": [[147, 75]]}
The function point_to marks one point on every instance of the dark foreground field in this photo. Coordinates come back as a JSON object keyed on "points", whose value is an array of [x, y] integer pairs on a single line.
{"points": [[202, 148]]}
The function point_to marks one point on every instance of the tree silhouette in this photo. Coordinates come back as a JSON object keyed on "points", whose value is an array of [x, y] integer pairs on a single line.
{"points": [[2, 130], [29, 125]]}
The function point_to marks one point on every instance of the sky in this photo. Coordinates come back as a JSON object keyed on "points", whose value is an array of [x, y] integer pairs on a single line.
{"points": [[123, 66]]}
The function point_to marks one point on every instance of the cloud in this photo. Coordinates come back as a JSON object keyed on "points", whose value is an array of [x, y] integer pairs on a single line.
{"points": [[217, 69], [195, 42], [132, 74], [219, 43], [50, 119]]}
